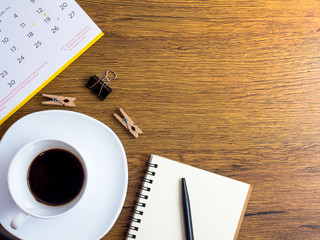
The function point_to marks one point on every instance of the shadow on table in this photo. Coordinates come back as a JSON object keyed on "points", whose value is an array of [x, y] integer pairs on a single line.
{"points": [[4, 235]]}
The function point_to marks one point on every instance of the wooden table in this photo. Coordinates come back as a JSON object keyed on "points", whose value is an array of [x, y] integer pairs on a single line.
{"points": [[228, 86]]}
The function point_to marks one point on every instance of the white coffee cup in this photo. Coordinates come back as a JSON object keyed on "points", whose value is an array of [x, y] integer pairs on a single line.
{"points": [[19, 187]]}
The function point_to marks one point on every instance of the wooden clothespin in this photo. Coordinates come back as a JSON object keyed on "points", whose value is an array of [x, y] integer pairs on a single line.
{"points": [[59, 100], [128, 123]]}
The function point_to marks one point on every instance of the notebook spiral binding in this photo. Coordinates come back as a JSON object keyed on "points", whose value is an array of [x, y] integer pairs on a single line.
{"points": [[142, 196]]}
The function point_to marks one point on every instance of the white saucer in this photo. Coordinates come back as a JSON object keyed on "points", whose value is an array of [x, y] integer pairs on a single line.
{"points": [[107, 169]]}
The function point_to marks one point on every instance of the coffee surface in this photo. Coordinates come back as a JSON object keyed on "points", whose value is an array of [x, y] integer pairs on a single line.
{"points": [[55, 177]]}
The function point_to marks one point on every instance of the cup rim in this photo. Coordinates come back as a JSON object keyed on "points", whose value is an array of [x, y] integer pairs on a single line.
{"points": [[27, 211]]}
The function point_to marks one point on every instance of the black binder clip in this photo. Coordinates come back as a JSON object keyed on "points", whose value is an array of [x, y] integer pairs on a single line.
{"points": [[99, 85]]}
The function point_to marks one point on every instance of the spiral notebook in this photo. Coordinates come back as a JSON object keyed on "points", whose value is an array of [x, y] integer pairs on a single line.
{"points": [[217, 203]]}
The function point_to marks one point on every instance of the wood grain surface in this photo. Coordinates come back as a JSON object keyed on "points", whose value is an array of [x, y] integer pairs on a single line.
{"points": [[230, 86]]}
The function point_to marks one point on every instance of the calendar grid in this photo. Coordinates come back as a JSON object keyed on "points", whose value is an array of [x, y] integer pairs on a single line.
{"points": [[37, 41]]}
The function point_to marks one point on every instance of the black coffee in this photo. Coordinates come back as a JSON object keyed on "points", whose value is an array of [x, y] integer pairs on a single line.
{"points": [[55, 177]]}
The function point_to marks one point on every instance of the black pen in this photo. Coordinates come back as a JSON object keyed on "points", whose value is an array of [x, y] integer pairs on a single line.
{"points": [[186, 211]]}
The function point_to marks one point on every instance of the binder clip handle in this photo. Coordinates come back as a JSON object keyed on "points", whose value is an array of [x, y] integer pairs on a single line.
{"points": [[105, 78]]}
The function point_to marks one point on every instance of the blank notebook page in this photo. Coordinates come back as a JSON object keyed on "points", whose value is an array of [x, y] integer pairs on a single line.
{"points": [[217, 203]]}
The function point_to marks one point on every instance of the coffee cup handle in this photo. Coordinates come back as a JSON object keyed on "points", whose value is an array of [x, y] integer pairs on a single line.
{"points": [[19, 219]]}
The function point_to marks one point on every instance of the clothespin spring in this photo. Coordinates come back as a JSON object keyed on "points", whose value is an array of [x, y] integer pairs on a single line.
{"points": [[56, 100], [126, 121]]}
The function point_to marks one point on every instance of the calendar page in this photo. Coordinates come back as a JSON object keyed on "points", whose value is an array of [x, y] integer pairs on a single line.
{"points": [[38, 39]]}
